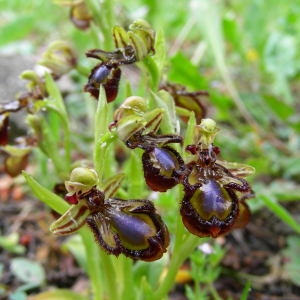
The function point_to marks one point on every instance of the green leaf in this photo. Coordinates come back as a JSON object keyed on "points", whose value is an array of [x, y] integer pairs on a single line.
{"points": [[280, 108], [28, 271], [280, 211], [292, 259], [46, 196], [280, 54], [184, 72], [292, 166], [18, 295], [11, 243], [58, 294], [246, 291], [17, 29]]}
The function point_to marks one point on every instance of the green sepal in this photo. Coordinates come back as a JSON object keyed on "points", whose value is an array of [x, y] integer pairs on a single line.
{"points": [[237, 169], [71, 220], [120, 37], [139, 45], [112, 184], [129, 125], [153, 120]]}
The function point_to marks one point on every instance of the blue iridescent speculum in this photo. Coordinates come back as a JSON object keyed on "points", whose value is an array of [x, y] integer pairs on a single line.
{"points": [[214, 200]]}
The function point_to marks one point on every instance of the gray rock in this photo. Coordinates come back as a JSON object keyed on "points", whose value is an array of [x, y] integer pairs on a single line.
{"points": [[11, 67]]}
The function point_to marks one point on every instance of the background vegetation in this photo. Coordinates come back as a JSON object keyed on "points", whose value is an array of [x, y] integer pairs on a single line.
{"points": [[245, 53]]}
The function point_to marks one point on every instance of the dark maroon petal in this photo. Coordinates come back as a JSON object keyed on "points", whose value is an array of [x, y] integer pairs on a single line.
{"points": [[71, 199], [243, 217], [98, 76], [191, 101], [112, 85], [80, 16], [14, 165], [4, 122]]}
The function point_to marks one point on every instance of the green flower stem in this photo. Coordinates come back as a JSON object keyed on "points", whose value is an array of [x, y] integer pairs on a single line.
{"points": [[213, 291], [124, 277], [181, 251], [57, 104], [135, 173], [49, 147], [94, 268], [127, 278], [67, 144], [184, 245], [102, 137]]}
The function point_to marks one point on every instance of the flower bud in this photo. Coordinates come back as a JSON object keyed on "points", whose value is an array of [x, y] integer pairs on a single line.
{"points": [[81, 180], [133, 105], [80, 16], [59, 58], [16, 158]]}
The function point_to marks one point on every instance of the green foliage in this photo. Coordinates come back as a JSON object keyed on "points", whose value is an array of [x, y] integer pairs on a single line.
{"points": [[11, 243], [205, 270], [58, 294], [292, 260]]}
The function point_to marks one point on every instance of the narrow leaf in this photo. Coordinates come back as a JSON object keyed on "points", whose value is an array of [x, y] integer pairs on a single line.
{"points": [[280, 211], [45, 195], [58, 294]]}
